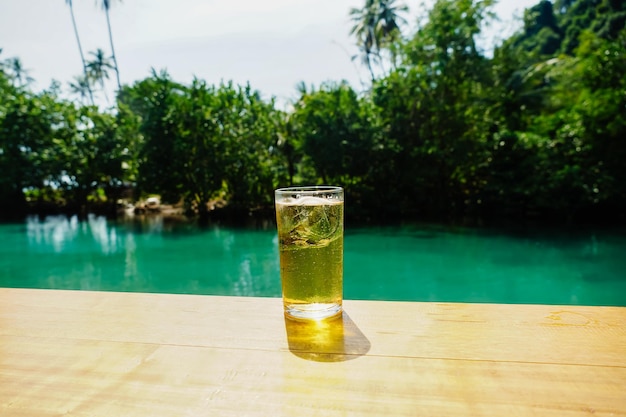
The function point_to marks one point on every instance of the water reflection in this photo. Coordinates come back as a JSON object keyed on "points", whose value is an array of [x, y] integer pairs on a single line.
{"points": [[244, 282], [54, 231], [105, 237], [61, 233], [156, 254], [130, 260]]}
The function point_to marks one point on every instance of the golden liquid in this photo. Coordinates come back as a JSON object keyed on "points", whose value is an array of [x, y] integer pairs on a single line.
{"points": [[311, 254]]}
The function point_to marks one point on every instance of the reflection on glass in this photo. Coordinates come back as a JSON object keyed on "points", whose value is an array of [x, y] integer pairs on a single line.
{"points": [[331, 340]]}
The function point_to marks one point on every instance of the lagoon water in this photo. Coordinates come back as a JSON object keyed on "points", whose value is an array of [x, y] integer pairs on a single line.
{"points": [[413, 263]]}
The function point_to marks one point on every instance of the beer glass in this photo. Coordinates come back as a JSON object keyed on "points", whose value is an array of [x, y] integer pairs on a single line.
{"points": [[310, 240]]}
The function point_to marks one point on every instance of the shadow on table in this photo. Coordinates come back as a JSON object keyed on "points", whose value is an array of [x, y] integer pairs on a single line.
{"points": [[333, 340]]}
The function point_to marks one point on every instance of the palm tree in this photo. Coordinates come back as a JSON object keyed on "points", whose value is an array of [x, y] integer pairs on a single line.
{"points": [[17, 72], [81, 87], [80, 48], [364, 29], [389, 20], [98, 69], [376, 27], [106, 5]]}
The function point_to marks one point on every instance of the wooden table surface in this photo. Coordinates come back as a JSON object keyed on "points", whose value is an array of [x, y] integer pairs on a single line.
{"points": [[80, 353]]}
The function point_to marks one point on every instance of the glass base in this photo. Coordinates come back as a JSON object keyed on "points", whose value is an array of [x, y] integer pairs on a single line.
{"points": [[314, 311]]}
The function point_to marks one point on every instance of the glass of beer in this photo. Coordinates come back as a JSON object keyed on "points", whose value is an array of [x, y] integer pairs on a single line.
{"points": [[310, 240]]}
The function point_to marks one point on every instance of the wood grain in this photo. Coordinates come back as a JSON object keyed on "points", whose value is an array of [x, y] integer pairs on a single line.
{"points": [[123, 354]]}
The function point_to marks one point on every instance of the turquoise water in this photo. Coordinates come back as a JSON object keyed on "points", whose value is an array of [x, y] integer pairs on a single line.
{"points": [[417, 263]]}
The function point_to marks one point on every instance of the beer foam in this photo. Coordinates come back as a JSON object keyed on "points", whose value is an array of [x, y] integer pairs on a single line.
{"points": [[309, 201]]}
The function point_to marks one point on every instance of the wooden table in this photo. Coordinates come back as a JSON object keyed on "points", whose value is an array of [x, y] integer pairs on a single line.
{"points": [[123, 354]]}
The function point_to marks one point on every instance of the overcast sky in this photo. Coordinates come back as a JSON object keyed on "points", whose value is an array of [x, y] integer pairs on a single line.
{"points": [[273, 44]]}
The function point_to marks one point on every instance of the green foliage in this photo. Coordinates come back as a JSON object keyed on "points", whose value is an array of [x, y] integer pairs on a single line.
{"points": [[535, 130], [433, 111], [204, 142], [151, 100], [335, 133], [550, 29], [50, 145]]}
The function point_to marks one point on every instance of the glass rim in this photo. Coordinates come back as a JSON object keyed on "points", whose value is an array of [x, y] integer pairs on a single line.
{"points": [[309, 189]]}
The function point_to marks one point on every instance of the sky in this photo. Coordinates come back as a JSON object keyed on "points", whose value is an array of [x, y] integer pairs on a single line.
{"points": [[272, 44]]}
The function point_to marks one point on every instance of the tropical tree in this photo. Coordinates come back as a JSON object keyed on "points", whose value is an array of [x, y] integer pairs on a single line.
{"points": [[30, 126], [80, 48], [389, 25], [336, 131], [364, 30], [376, 26], [152, 100], [106, 6], [251, 171], [535, 130], [81, 87], [290, 149], [98, 69], [94, 158], [583, 121], [435, 112], [16, 72], [605, 18], [202, 143], [10, 162]]}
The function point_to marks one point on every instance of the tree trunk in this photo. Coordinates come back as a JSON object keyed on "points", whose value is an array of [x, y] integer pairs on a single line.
{"points": [[369, 66], [80, 50], [117, 70]]}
